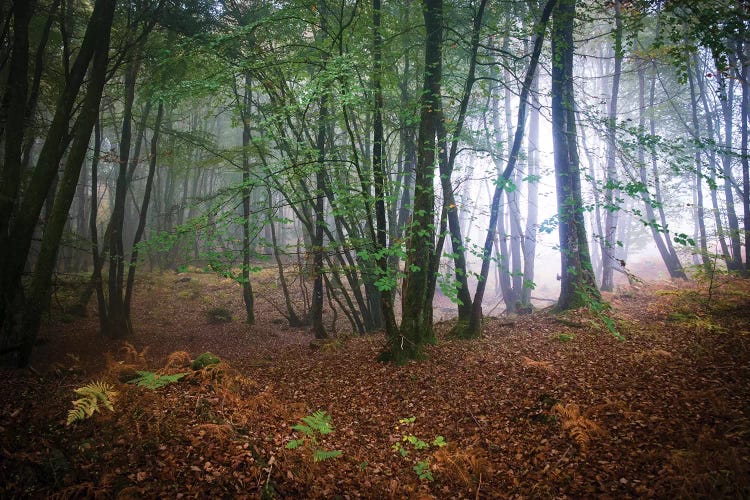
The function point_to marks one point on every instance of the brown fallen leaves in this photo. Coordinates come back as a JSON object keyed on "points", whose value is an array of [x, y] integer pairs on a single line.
{"points": [[662, 414]]}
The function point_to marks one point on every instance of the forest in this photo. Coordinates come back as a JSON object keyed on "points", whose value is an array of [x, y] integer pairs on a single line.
{"points": [[356, 249]]}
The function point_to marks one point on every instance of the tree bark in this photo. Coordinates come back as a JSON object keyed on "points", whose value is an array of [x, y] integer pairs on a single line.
{"points": [[416, 326], [577, 284], [38, 296]]}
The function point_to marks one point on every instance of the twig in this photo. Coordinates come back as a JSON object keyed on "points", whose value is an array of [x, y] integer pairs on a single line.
{"points": [[475, 420], [563, 456]]}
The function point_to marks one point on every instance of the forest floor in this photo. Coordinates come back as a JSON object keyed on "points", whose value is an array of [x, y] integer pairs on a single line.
{"points": [[541, 406]]}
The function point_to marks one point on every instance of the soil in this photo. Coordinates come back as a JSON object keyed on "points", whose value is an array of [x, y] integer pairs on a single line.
{"points": [[542, 405]]}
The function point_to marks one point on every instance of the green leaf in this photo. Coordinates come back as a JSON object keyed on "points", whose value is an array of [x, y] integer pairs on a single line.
{"points": [[321, 455], [151, 380], [294, 444], [439, 442]]}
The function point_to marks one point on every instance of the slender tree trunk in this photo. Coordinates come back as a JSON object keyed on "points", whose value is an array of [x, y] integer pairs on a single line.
{"points": [[726, 100], [705, 258], [143, 216], [247, 289], [744, 55], [532, 214], [379, 173], [118, 322], [96, 257], [14, 100], [660, 234], [316, 310], [612, 193], [712, 133], [475, 323]]}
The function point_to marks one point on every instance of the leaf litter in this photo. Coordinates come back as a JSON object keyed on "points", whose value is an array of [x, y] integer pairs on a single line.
{"points": [[535, 408]]}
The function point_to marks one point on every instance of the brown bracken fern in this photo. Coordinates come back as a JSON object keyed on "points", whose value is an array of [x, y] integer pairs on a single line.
{"points": [[580, 428]]}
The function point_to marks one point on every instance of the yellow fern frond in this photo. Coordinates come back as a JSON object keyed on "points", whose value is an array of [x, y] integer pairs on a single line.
{"points": [[92, 396]]}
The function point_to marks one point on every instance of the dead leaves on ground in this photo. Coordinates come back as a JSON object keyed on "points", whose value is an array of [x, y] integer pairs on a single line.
{"points": [[523, 415]]}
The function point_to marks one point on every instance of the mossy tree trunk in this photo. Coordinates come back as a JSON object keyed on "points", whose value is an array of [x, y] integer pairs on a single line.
{"points": [[578, 283], [416, 323]]}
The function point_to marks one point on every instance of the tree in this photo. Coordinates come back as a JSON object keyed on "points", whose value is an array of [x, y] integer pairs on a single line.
{"points": [[577, 283], [416, 324], [38, 294], [611, 193], [475, 322]]}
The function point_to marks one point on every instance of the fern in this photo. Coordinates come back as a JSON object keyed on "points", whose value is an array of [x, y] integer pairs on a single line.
{"points": [[580, 428], [319, 422], [151, 380], [321, 455], [94, 395], [312, 426]]}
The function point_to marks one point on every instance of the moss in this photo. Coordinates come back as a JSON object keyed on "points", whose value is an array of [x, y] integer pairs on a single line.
{"points": [[204, 360]]}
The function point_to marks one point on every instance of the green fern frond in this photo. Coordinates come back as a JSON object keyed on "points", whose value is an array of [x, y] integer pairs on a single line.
{"points": [[151, 380], [92, 396], [321, 455], [319, 421]]}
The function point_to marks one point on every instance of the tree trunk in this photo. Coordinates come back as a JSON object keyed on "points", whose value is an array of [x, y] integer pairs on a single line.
{"points": [[532, 214], [612, 193], [726, 99], [700, 221], [118, 321], [475, 323], [416, 327], [15, 244], [143, 216], [38, 296], [660, 234], [247, 290], [578, 285], [380, 174]]}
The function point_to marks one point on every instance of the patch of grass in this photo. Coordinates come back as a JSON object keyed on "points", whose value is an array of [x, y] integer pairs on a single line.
{"points": [[565, 337]]}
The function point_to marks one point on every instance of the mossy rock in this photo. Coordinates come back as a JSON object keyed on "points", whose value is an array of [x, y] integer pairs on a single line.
{"points": [[204, 360]]}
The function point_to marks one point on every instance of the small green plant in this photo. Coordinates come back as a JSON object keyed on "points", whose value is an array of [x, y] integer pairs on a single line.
{"points": [[312, 427], [411, 442], [600, 308], [422, 469], [151, 380], [92, 396], [204, 360], [565, 337]]}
